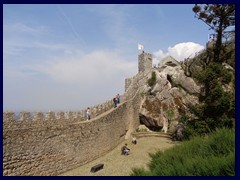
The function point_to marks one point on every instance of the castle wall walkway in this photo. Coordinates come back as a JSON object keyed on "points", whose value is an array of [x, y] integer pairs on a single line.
{"points": [[55, 144]]}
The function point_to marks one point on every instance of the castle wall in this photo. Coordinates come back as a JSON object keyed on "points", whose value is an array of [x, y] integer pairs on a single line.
{"points": [[54, 142], [128, 81], [60, 141]]}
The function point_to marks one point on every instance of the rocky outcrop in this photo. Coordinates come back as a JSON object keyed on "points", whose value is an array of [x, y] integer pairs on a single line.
{"points": [[143, 128], [178, 135], [164, 103]]}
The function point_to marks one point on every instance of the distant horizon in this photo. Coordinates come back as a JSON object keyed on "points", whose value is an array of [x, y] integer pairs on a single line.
{"points": [[74, 56]]}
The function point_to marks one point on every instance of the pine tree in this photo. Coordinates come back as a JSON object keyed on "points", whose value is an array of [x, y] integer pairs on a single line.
{"points": [[218, 17], [218, 105]]}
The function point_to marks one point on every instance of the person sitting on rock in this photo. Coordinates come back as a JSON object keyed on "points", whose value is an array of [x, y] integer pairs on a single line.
{"points": [[125, 150]]}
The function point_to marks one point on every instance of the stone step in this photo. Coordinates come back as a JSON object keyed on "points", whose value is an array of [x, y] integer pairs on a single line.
{"points": [[154, 134]]}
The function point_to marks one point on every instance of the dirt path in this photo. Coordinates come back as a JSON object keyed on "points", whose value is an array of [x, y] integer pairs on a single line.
{"points": [[116, 164]]}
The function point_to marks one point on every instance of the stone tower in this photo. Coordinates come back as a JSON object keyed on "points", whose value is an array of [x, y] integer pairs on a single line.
{"points": [[144, 62]]}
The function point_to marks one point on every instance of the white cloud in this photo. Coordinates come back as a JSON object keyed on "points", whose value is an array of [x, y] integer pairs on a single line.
{"points": [[180, 51], [184, 50], [158, 56], [95, 66]]}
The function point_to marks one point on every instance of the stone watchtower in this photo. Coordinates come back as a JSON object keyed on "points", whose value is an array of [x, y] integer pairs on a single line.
{"points": [[144, 62]]}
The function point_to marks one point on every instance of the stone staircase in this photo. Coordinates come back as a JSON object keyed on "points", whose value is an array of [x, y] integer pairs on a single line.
{"points": [[153, 134]]}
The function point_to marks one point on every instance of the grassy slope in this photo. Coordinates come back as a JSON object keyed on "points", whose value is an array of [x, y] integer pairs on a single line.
{"points": [[211, 156]]}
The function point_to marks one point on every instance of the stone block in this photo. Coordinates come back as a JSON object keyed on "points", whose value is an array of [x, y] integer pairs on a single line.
{"points": [[97, 167]]}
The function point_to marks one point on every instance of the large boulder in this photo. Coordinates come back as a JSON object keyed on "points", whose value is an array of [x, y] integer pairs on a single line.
{"points": [[179, 132], [176, 76], [165, 102]]}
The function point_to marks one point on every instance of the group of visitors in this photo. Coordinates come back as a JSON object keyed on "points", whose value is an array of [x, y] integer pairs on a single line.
{"points": [[116, 100], [125, 150]]}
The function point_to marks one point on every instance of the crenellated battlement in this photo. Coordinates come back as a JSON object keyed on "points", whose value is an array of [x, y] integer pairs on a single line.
{"points": [[55, 142], [34, 119], [11, 119]]}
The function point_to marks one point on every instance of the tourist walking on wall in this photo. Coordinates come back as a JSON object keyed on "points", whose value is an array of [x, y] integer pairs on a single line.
{"points": [[115, 102], [88, 114], [118, 98]]}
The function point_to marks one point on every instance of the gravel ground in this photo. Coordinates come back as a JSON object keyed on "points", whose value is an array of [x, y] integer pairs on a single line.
{"points": [[116, 164]]}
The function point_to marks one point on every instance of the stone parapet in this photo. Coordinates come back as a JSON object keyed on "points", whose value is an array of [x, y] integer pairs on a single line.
{"points": [[54, 142]]}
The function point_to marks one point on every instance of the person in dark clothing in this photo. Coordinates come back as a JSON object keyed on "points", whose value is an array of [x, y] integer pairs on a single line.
{"points": [[125, 150], [115, 102]]}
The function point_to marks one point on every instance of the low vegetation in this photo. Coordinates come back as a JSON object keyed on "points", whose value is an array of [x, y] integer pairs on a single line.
{"points": [[213, 155], [152, 80], [141, 130]]}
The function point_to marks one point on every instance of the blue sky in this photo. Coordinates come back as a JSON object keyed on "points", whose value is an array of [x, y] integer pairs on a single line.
{"points": [[68, 57]]}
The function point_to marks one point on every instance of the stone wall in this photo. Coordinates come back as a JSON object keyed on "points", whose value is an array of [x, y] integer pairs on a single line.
{"points": [[56, 144], [52, 143], [128, 82]]}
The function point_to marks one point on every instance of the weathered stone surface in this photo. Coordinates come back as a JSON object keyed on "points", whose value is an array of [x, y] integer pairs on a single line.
{"points": [[175, 75], [168, 61], [143, 128], [178, 134], [169, 97], [144, 62]]}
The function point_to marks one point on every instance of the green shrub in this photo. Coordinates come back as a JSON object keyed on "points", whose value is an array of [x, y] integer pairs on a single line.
{"points": [[170, 114], [142, 94], [210, 156], [140, 172], [152, 80], [141, 130]]}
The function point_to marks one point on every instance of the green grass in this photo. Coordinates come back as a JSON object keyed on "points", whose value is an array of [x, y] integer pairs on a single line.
{"points": [[210, 156]]}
